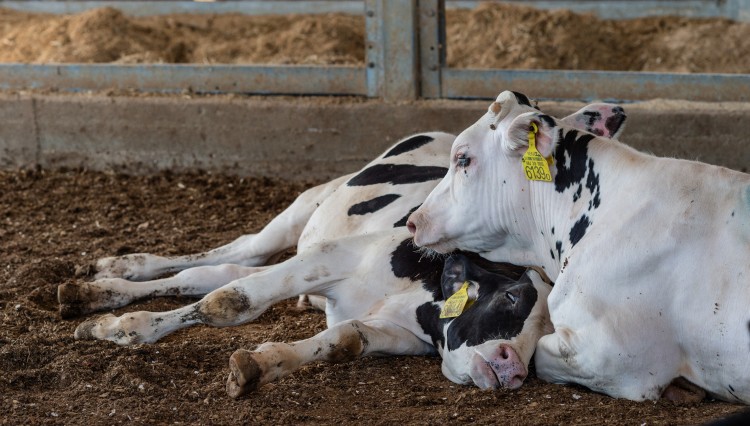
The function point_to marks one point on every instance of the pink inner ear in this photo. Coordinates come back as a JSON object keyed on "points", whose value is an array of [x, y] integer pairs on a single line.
{"points": [[601, 120]]}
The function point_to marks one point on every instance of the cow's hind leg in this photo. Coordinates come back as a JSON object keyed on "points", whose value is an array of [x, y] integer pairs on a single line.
{"points": [[109, 293], [239, 301], [345, 341], [280, 234]]}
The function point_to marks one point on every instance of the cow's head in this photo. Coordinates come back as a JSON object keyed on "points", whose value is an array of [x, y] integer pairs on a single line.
{"points": [[491, 343], [484, 203]]}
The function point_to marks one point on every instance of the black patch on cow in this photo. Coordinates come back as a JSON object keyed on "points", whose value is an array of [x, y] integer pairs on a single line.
{"points": [[577, 194], [553, 230], [403, 220], [552, 254], [614, 122], [549, 121], [579, 230], [493, 316], [371, 206], [591, 118], [428, 317], [558, 246], [592, 184], [576, 149], [522, 99], [410, 144], [407, 262], [397, 174]]}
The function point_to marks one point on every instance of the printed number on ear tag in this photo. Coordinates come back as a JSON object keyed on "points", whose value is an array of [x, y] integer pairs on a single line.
{"points": [[456, 304], [534, 165]]}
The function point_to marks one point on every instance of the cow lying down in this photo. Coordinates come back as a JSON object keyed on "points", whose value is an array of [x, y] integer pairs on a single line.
{"points": [[650, 256], [382, 295]]}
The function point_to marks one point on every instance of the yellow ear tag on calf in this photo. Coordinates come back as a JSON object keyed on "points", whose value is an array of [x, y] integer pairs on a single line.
{"points": [[456, 304], [534, 165]]}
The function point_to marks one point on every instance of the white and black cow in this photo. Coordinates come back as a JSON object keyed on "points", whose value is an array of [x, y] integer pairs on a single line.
{"points": [[382, 296], [650, 256]]}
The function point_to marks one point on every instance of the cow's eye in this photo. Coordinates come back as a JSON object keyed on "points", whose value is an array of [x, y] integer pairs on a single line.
{"points": [[463, 160], [512, 297]]}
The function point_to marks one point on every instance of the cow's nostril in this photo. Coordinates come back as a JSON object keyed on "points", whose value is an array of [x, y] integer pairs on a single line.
{"points": [[504, 352], [411, 227]]}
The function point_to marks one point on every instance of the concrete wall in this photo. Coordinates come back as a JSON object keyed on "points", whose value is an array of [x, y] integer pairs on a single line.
{"points": [[301, 138]]}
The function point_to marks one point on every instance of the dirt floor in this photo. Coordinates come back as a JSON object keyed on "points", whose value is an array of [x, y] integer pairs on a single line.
{"points": [[52, 222], [491, 36]]}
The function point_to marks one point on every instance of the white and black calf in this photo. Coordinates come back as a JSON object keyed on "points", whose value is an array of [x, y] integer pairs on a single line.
{"points": [[650, 256], [382, 295]]}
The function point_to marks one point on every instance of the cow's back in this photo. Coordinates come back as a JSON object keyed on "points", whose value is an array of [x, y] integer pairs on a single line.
{"points": [[382, 194]]}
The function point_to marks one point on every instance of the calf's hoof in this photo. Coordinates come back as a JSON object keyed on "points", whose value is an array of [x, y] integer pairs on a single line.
{"points": [[244, 374]]}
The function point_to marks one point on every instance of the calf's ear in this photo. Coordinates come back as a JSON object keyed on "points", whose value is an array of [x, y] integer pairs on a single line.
{"points": [[455, 272], [541, 126], [601, 119]]}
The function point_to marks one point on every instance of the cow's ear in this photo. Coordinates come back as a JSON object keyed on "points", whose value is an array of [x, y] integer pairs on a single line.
{"points": [[607, 120], [541, 126]]}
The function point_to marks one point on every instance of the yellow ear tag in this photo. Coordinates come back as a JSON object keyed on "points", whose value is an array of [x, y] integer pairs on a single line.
{"points": [[534, 165], [456, 304]]}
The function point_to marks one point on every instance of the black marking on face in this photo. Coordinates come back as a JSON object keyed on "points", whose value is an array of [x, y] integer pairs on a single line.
{"points": [[579, 230], [553, 230], [371, 206], [403, 220], [410, 144], [500, 310], [522, 99], [591, 118], [558, 246], [576, 149], [397, 174], [614, 122], [552, 254]]}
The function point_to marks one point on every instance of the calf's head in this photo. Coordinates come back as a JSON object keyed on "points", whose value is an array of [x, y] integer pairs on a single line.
{"points": [[484, 203], [491, 342]]}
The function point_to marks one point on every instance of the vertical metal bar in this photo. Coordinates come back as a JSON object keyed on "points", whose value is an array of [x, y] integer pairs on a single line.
{"points": [[374, 56], [431, 46], [392, 49]]}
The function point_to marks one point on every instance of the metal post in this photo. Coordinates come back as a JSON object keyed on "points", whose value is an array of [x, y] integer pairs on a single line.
{"points": [[392, 49], [431, 46]]}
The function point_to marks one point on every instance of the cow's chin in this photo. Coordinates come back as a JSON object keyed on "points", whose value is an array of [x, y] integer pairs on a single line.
{"points": [[440, 246]]}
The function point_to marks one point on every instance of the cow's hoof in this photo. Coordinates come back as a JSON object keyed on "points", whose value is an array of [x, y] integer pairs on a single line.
{"points": [[244, 374], [682, 392], [85, 330]]}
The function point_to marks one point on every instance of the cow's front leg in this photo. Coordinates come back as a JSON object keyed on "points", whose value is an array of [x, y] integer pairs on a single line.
{"points": [[109, 293], [281, 233], [345, 341]]}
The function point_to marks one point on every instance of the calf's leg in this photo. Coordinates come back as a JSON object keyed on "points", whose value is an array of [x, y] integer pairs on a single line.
{"points": [[345, 341]]}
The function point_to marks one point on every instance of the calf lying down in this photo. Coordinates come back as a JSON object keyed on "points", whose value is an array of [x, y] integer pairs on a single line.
{"points": [[383, 296], [650, 256]]}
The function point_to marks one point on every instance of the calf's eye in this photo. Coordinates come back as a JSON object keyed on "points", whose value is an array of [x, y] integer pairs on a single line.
{"points": [[512, 297], [462, 160]]}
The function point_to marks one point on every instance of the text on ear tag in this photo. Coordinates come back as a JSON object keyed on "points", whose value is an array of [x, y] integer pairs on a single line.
{"points": [[457, 303], [534, 165]]}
